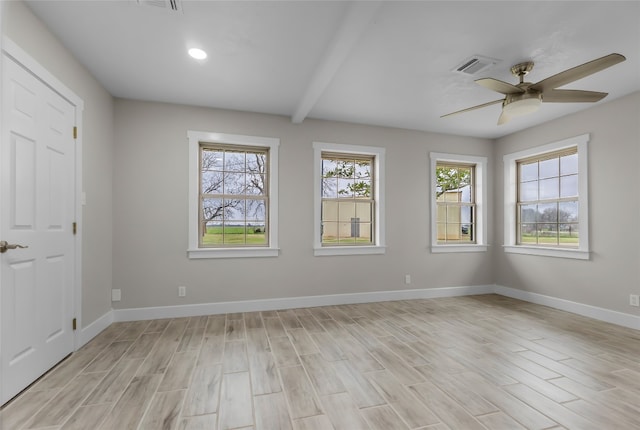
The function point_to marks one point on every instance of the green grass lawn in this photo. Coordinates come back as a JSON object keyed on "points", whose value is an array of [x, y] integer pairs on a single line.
{"points": [[564, 239], [234, 235]]}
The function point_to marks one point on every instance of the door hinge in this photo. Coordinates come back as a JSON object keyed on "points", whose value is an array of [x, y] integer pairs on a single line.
{"points": [[74, 324], [75, 132], [75, 227]]}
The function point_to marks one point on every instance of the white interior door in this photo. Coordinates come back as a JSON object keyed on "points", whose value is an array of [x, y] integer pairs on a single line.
{"points": [[37, 156]]}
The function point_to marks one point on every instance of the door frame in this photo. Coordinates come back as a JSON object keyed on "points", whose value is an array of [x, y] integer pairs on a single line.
{"points": [[13, 51]]}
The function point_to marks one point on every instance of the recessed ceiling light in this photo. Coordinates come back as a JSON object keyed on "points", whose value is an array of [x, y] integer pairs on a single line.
{"points": [[197, 53]]}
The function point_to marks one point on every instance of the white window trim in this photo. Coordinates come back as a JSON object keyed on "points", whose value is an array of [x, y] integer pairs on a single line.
{"points": [[379, 169], [510, 193], [480, 197], [197, 137]]}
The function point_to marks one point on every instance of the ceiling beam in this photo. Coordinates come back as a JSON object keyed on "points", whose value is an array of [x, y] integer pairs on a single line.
{"points": [[353, 25]]}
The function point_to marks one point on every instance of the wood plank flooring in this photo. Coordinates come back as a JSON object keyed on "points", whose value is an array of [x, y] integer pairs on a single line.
{"points": [[476, 362]]}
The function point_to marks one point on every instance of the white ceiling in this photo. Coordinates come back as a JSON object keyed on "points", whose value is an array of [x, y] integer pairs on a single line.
{"points": [[384, 63]]}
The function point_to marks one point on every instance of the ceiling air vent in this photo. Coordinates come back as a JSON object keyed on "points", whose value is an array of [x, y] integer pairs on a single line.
{"points": [[476, 64], [170, 5]]}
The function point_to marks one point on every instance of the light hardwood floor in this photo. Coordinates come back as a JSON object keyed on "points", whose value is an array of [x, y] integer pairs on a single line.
{"points": [[477, 362]]}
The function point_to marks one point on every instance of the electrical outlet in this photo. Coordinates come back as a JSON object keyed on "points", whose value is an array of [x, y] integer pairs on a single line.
{"points": [[116, 295], [634, 300], [407, 279], [182, 291]]}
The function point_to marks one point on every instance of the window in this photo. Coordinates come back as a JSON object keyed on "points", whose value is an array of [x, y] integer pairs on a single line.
{"points": [[546, 195], [232, 196], [458, 189], [348, 199]]}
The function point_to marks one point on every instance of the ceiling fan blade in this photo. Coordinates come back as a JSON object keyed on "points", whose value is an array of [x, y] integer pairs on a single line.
{"points": [[503, 119], [577, 72], [499, 86], [474, 107], [572, 96]]}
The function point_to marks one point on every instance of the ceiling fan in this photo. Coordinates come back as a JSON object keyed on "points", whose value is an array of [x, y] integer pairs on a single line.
{"points": [[526, 97]]}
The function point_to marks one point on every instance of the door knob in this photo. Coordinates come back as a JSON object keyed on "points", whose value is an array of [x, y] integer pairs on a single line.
{"points": [[4, 246]]}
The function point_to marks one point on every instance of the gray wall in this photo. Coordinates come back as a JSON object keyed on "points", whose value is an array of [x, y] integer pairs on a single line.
{"points": [[28, 32], [613, 272], [150, 212]]}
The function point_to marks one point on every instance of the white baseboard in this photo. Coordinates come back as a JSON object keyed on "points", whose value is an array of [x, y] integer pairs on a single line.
{"points": [[602, 314], [92, 330], [137, 314]]}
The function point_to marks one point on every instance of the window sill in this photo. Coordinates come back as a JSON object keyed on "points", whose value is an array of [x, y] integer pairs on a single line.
{"points": [[202, 253], [436, 249], [576, 254], [348, 250]]}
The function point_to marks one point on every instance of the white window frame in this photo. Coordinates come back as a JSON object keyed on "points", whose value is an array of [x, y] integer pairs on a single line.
{"points": [[379, 193], [510, 196], [194, 251], [480, 164]]}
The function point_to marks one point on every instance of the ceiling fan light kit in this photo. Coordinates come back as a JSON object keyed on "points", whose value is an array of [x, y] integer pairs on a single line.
{"points": [[526, 97], [516, 105]]}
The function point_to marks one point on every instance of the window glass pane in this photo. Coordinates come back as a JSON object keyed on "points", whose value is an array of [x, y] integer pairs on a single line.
{"points": [[529, 191], [234, 232], [256, 184], [528, 233], [466, 231], [547, 212], [345, 188], [362, 188], [256, 210], [211, 182], [528, 172], [211, 159], [528, 213], [569, 186], [363, 211], [346, 169], [569, 234], [549, 188], [364, 232], [256, 162], [549, 168], [212, 209], [328, 168], [234, 210], [256, 233], [212, 235], [568, 212], [363, 169], [466, 214], [453, 214], [330, 188], [330, 232], [234, 161], [547, 234], [346, 211], [466, 194], [234, 183], [329, 211], [569, 164]]}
